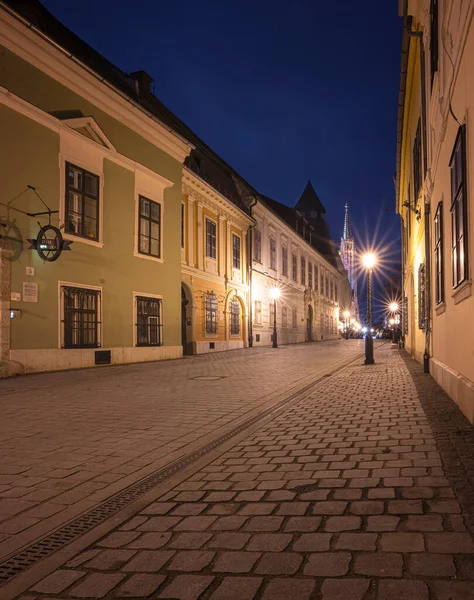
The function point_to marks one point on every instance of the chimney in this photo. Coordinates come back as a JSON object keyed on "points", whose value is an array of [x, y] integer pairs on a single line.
{"points": [[143, 81]]}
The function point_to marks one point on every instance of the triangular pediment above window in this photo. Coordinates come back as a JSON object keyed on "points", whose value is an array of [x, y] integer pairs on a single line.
{"points": [[89, 128]]}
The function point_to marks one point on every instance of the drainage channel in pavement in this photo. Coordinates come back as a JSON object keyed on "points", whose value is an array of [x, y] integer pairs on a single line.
{"points": [[26, 558]]}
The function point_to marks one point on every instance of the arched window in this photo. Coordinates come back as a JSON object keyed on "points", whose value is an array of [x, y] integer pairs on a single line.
{"points": [[235, 317]]}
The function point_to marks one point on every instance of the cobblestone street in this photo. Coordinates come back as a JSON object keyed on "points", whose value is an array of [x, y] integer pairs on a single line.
{"points": [[300, 474]]}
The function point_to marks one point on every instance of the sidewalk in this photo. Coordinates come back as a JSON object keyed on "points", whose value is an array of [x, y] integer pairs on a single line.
{"points": [[361, 488]]}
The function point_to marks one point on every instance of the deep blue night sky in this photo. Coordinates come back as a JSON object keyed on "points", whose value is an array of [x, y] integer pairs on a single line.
{"points": [[284, 92]]}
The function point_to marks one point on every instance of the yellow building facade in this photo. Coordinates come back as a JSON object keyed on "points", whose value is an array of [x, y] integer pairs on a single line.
{"points": [[214, 268]]}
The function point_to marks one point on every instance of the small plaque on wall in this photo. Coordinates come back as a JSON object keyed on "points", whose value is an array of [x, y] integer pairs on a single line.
{"points": [[15, 297], [30, 292]]}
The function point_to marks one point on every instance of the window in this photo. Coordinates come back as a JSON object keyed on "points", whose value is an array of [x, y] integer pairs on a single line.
{"points": [[257, 313], [211, 237], [235, 251], [235, 315], [433, 38], [284, 261], [295, 267], [257, 238], [81, 317], [310, 275], [271, 309], [327, 286], [273, 257], [149, 228], [331, 294], [211, 312], [459, 209], [439, 259], [316, 278], [149, 321], [284, 316], [421, 296], [322, 283], [82, 203], [417, 162], [303, 270], [335, 293], [294, 318], [182, 225]]}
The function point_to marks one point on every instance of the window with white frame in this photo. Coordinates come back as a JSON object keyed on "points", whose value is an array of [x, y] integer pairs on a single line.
{"points": [[284, 261], [439, 254], [257, 313], [316, 278], [235, 251], [273, 256], [235, 317], [211, 237], [257, 240], [149, 239], [310, 275], [303, 270], [149, 321], [80, 318], [211, 312], [294, 268], [459, 216], [82, 203]]}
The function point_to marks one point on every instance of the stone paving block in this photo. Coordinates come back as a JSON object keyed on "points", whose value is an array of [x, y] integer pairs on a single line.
{"points": [[229, 541], [378, 565], [158, 508], [432, 565], [151, 541], [455, 543], [334, 507], [328, 564], [140, 585], [58, 581], [444, 506], [255, 508], [402, 590], [303, 524], [356, 541], [344, 589], [347, 494], [200, 523], [189, 510], [270, 542], [264, 524], [366, 507], [236, 562], [405, 507], [96, 585], [159, 523], [110, 560], [190, 541], [149, 561], [423, 523], [118, 539], [291, 587], [336, 524], [229, 508], [190, 560], [402, 542], [229, 523], [279, 563], [292, 508], [250, 496], [237, 588], [382, 523], [187, 587]]}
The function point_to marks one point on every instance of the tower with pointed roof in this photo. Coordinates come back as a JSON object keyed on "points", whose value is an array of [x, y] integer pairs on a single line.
{"points": [[347, 253]]}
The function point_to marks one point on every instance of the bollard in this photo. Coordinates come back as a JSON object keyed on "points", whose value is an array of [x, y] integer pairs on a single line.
{"points": [[369, 349]]}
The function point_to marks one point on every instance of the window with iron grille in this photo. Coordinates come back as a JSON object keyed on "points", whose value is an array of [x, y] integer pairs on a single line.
{"points": [[182, 225], [257, 313], [459, 220], [434, 48], [316, 278], [211, 312], [257, 238], [211, 229], [310, 275], [235, 317], [439, 251], [82, 203], [81, 317], [235, 251], [294, 268], [149, 228], [294, 318], [284, 261], [303, 271], [149, 321], [284, 316], [421, 296], [273, 256], [417, 162]]}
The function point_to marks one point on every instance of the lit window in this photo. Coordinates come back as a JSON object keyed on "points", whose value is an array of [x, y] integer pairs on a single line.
{"points": [[211, 312], [82, 203], [459, 216], [210, 238], [149, 321], [235, 251], [81, 317], [149, 227], [235, 317]]}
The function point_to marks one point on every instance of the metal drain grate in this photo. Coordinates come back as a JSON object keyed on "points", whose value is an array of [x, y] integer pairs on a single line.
{"points": [[18, 563], [208, 377], [302, 489]]}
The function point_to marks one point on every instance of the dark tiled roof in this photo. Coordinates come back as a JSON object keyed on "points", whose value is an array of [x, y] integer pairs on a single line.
{"points": [[310, 201]]}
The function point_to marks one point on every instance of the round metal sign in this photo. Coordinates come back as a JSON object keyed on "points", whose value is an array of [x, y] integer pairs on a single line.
{"points": [[49, 243]]}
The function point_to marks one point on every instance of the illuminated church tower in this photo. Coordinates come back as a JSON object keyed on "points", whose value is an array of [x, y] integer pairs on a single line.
{"points": [[347, 253]]}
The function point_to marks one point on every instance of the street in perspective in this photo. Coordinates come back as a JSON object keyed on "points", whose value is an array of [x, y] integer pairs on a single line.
{"points": [[236, 307]]}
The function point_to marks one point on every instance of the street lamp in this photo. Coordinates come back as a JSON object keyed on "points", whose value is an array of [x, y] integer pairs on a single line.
{"points": [[369, 260], [393, 306], [346, 314], [275, 294]]}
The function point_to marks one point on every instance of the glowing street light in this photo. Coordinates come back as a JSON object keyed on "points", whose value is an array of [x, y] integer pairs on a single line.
{"points": [[393, 306], [346, 314], [369, 260], [275, 294]]}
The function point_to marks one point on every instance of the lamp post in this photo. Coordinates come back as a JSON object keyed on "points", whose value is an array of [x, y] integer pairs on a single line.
{"points": [[275, 294], [369, 261], [393, 306], [346, 314]]}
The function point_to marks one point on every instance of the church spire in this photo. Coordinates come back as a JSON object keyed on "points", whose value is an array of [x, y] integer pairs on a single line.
{"points": [[347, 235]]}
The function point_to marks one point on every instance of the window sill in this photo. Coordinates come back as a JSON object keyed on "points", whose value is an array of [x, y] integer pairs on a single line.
{"points": [[147, 257], [440, 308], [463, 291], [82, 240]]}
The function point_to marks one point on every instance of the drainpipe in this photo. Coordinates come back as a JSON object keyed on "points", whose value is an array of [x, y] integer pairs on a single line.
{"points": [[250, 269], [426, 205]]}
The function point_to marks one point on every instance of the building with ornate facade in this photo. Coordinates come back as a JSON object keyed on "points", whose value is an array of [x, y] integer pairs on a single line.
{"points": [[435, 193]]}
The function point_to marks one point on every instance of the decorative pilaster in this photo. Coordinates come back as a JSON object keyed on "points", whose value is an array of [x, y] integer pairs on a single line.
{"points": [[229, 253], [190, 231], [200, 237], [221, 246]]}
